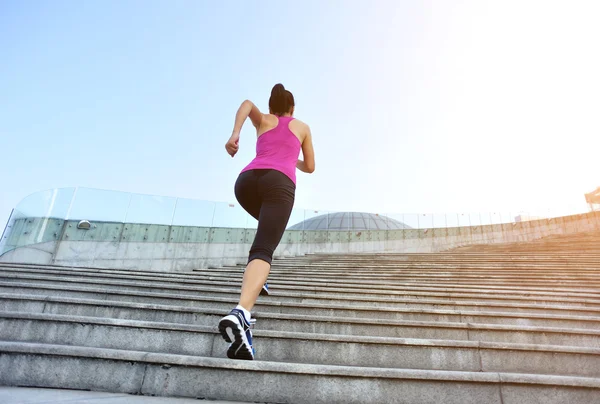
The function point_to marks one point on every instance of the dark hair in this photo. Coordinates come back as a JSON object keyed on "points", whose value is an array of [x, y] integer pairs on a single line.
{"points": [[281, 101]]}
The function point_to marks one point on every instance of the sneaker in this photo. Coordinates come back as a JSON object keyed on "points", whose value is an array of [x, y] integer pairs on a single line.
{"points": [[265, 290], [236, 329]]}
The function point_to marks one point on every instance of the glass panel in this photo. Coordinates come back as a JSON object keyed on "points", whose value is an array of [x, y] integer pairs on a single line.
{"points": [[329, 230], [7, 242], [251, 223], [357, 221], [426, 221], [230, 215], [475, 219], [523, 216], [190, 212], [315, 220], [336, 221], [372, 221], [296, 221], [328, 217], [460, 220], [410, 220], [485, 218], [439, 220], [112, 206], [383, 222], [99, 205], [346, 221], [494, 217], [552, 213], [543, 213], [380, 222], [50, 203], [506, 217], [453, 219], [150, 209]]}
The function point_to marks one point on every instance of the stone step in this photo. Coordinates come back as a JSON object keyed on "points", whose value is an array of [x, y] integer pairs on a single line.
{"points": [[419, 274], [433, 270], [510, 251], [409, 272], [543, 319], [417, 267], [437, 279], [507, 265], [189, 298], [365, 287], [349, 272], [458, 266], [578, 289], [574, 249], [306, 323], [347, 275], [128, 371], [564, 299], [554, 261], [325, 349], [559, 260], [506, 256]]}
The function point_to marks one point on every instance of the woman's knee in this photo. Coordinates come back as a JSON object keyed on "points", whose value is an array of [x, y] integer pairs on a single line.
{"points": [[261, 253]]}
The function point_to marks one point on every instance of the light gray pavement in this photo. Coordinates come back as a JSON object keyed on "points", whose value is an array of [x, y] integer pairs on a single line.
{"points": [[30, 395]]}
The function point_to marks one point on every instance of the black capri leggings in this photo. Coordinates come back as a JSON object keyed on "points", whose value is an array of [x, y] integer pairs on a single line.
{"points": [[268, 195]]}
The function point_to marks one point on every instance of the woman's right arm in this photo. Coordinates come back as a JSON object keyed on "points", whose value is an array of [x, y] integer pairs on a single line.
{"points": [[246, 110], [308, 165]]}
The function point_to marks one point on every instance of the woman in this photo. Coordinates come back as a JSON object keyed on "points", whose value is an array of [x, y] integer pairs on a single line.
{"points": [[266, 190]]}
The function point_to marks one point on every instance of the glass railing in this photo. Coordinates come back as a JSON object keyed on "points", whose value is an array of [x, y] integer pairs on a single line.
{"points": [[38, 218]]}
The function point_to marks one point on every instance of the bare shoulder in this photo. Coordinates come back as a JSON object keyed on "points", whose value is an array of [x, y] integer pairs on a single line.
{"points": [[302, 127], [299, 122], [270, 119], [267, 123]]}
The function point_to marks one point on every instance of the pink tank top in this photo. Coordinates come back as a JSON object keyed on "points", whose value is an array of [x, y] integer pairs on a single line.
{"points": [[277, 149]]}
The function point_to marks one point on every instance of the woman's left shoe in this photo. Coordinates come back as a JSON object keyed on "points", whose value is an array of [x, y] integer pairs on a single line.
{"points": [[235, 328]]}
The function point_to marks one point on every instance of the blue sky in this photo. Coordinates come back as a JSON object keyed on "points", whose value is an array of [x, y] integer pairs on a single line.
{"points": [[431, 106]]}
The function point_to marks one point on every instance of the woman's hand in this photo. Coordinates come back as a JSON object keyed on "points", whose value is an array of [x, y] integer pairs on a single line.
{"points": [[232, 146], [247, 109]]}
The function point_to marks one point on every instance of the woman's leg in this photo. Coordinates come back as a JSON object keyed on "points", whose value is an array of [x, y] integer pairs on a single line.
{"points": [[267, 195], [255, 276], [235, 327], [277, 192], [247, 194]]}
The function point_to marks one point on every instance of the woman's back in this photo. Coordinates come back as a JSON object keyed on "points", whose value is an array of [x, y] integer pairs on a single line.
{"points": [[296, 126], [277, 147]]}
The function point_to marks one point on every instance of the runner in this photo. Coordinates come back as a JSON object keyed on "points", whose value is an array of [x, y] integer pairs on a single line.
{"points": [[266, 190]]}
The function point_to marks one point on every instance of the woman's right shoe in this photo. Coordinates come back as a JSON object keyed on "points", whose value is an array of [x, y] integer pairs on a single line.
{"points": [[236, 329], [265, 290]]}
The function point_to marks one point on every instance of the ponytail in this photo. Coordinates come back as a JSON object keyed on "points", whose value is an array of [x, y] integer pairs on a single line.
{"points": [[281, 101]]}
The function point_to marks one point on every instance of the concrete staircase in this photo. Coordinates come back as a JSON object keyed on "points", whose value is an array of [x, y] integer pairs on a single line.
{"points": [[486, 324]]}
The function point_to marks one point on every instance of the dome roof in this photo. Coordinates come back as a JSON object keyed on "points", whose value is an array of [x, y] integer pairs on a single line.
{"points": [[349, 221]]}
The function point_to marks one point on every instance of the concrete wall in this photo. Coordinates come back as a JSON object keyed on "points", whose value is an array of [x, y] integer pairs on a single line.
{"points": [[182, 248]]}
